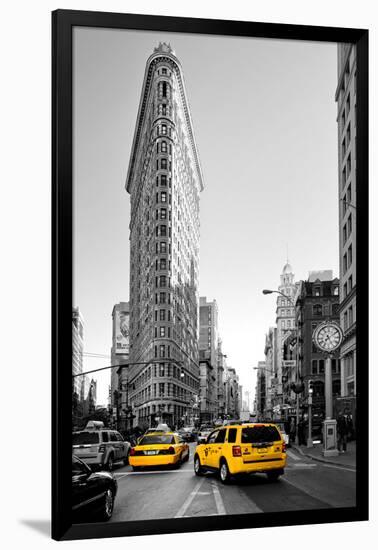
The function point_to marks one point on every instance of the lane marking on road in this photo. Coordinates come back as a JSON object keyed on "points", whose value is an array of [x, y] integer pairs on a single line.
{"points": [[153, 472], [187, 503], [218, 499], [292, 455], [338, 467], [300, 466]]}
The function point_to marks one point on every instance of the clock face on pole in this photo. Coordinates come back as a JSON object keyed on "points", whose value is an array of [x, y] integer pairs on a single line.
{"points": [[328, 336]]}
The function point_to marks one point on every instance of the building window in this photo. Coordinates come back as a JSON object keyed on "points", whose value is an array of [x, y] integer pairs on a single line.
{"points": [[345, 320], [350, 256], [349, 224], [314, 366], [163, 197], [163, 213], [163, 230], [162, 332], [164, 89], [317, 310], [163, 263], [164, 71], [163, 280], [350, 284], [163, 146], [316, 291], [163, 180], [162, 350], [163, 247], [335, 309], [164, 129], [163, 164], [162, 298], [164, 109], [350, 316], [344, 234], [162, 315], [345, 263], [321, 366], [336, 290]]}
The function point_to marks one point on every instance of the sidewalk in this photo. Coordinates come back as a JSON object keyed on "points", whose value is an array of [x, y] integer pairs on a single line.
{"points": [[347, 459]]}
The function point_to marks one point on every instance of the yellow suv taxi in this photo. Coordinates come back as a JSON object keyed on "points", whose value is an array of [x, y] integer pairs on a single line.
{"points": [[242, 449]]}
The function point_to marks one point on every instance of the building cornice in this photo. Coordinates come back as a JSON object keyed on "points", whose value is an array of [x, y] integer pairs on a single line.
{"points": [[148, 77]]}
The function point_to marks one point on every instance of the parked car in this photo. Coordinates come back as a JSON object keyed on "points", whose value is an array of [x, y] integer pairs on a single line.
{"points": [[242, 449], [93, 493], [203, 433], [100, 447]]}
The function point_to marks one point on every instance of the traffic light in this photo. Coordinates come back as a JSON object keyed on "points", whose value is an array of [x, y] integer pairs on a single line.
{"points": [[310, 386]]}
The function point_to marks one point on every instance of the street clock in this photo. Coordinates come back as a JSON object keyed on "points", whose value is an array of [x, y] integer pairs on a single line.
{"points": [[328, 336]]}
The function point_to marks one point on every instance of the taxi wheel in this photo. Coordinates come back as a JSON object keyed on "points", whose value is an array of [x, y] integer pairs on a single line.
{"points": [[198, 470], [224, 472], [109, 464]]}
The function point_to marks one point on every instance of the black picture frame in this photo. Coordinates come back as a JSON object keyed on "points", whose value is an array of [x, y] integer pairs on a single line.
{"points": [[63, 22]]}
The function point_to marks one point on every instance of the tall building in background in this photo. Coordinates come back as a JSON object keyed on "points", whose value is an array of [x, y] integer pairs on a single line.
{"points": [[77, 364], [164, 181], [208, 349], [346, 120], [119, 356], [286, 327]]}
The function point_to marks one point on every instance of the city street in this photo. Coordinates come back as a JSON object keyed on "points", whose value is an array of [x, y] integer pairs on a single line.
{"points": [[154, 494]]}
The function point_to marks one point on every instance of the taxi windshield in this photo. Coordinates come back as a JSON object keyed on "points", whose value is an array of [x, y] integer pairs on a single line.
{"points": [[260, 434], [157, 440]]}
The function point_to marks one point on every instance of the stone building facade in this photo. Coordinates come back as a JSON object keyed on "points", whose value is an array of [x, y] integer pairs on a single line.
{"points": [[346, 98], [317, 301], [164, 182]]}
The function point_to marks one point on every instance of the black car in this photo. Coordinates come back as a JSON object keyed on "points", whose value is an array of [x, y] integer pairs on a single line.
{"points": [[93, 493]]}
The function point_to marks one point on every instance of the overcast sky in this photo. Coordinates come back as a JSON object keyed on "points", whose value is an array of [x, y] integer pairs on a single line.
{"points": [[264, 118]]}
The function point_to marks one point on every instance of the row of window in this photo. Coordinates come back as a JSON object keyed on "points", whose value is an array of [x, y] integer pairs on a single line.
{"points": [[319, 310], [318, 366]]}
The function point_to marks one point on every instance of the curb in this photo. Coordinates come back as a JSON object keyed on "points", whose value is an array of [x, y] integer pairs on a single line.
{"points": [[324, 460]]}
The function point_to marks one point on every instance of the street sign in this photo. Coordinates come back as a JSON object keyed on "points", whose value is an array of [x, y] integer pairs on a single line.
{"points": [[289, 363]]}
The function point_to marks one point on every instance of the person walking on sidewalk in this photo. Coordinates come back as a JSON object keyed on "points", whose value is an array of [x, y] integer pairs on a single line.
{"points": [[342, 432]]}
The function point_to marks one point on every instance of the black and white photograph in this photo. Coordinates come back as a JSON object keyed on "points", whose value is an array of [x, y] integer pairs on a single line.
{"points": [[214, 275]]}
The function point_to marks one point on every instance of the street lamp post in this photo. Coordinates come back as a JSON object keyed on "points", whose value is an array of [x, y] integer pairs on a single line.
{"points": [[266, 291]]}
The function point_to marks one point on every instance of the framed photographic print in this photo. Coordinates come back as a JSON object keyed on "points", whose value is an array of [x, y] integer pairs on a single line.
{"points": [[200, 166]]}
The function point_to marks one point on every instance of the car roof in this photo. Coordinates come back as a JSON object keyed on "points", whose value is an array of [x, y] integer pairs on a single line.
{"points": [[159, 433]]}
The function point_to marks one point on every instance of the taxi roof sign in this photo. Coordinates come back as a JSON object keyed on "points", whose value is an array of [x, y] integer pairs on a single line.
{"points": [[94, 425]]}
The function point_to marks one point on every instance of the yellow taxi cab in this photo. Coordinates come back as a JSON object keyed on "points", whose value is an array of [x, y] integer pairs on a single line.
{"points": [[242, 449], [159, 449]]}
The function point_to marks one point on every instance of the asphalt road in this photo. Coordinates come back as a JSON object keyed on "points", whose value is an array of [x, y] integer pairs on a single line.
{"points": [[161, 493]]}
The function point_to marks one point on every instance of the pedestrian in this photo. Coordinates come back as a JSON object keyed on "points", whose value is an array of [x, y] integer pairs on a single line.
{"points": [[301, 432], [342, 433], [292, 430]]}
